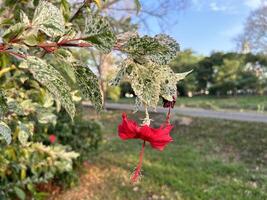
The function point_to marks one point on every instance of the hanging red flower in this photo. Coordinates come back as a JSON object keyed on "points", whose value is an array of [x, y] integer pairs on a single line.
{"points": [[158, 138]]}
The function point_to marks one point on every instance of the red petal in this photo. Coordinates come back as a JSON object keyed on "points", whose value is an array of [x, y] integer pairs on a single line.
{"points": [[158, 138], [161, 137], [128, 129]]}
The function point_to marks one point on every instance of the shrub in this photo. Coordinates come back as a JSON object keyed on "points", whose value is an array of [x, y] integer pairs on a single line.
{"points": [[114, 93]]}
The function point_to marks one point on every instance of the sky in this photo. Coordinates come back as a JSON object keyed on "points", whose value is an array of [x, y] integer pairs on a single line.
{"points": [[209, 25]]}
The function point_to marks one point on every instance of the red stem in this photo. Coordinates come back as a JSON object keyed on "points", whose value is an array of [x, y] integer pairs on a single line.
{"points": [[51, 47], [168, 116], [137, 171], [15, 54]]}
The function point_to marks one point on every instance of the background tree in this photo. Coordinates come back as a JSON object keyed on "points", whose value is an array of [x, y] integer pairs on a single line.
{"points": [[255, 30], [185, 61], [222, 73]]}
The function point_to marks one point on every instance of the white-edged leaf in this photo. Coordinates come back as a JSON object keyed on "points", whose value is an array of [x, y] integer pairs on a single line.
{"points": [[48, 76], [46, 117], [181, 76], [13, 32], [24, 18], [88, 85], [49, 19], [23, 133], [99, 32], [160, 49], [5, 131]]}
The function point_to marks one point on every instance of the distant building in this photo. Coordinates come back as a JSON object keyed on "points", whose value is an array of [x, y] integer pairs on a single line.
{"points": [[245, 47]]}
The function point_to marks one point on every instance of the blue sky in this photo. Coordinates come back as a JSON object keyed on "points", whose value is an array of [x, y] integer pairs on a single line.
{"points": [[208, 25]]}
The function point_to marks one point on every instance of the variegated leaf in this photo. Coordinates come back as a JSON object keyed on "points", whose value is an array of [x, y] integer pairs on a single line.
{"points": [[49, 19], [23, 133], [48, 76], [24, 18], [124, 70], [13, 32], [160, 49], [149, 81], [181, 76], [88, 85], [99, 32], [5, 131], [172, 47]]}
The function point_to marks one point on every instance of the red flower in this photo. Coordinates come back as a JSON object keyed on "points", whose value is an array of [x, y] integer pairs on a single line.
{"points": [[52, 138], [158, 138]]}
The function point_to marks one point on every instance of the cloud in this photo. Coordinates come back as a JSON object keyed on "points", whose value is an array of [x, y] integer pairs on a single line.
{"points": [[197, 4], [215, 7], [252, 3]]}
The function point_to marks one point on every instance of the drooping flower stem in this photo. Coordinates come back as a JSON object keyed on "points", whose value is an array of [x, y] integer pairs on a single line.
{"points": [[146, 120], [168, 116], [137, 171]]}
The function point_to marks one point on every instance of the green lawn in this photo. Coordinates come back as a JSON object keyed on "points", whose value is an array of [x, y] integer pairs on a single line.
{"points": [[210, 159], [255, 103]]}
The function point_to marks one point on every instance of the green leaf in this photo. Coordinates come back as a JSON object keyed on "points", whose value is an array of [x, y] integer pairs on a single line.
{"points": [[99, 32], [161, 49], [138, 5], [48, 76], [65, 7], [20, 193], [3, 104], [5, 131], [13, 32], [88, 85], [49, 19]]}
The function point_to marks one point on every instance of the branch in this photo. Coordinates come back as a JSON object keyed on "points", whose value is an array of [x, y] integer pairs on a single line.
{"points": [[49, 47], [77, 12]]}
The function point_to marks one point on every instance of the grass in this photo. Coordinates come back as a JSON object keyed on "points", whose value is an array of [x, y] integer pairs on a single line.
{"points": [[209, 159], [255, 103]]}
